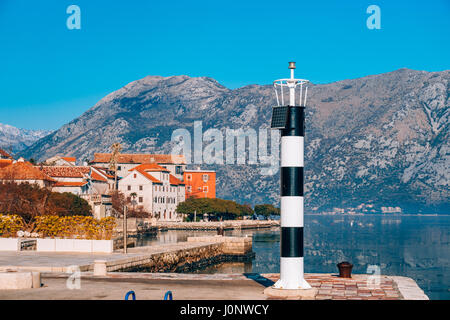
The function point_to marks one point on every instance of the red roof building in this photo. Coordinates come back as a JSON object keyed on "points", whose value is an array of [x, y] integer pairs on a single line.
{"points": [[125, 162], [22, 172], [5, 162], [154, 189]]}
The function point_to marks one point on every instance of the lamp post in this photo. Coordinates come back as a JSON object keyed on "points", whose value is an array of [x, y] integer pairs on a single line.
{"points": [[289, 119], [125, 234]]}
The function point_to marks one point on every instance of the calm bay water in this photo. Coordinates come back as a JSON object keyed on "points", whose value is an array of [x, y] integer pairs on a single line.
{"points": [[412, 246]]}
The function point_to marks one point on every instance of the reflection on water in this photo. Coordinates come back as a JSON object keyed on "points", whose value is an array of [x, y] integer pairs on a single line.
{"points": [[412, 246]]}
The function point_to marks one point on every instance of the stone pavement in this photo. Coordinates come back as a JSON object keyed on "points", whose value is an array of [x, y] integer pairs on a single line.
{"points": [[152, 286], [331, 287]]}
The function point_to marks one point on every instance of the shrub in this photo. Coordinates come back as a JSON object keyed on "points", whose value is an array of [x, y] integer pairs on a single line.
{"points": [[75, 227], [29, 201], [9, 225]]}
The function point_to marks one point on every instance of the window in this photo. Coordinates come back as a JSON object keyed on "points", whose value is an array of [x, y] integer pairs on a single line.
{"points": [[141, 199], [141, 188], [155, 200], [189, 188], [205, 177], [135, 176], [189, 177], [178, 170], [119, 168], [129, 188]]}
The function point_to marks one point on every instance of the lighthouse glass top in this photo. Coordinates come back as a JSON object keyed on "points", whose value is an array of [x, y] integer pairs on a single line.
{"points": [[286, 90]]}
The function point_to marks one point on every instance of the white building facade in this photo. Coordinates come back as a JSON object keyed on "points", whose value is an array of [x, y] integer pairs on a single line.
{"points": [[155, 190]]}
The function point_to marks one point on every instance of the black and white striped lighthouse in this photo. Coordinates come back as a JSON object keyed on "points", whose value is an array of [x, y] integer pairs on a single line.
{"points": [[290, 120]]}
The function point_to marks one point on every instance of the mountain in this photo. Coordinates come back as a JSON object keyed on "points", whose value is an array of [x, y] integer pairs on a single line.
{"points": [[381, 140], [14, 139]]}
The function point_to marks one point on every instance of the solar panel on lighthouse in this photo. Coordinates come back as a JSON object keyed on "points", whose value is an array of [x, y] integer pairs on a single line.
{"points": [[279, 117]]}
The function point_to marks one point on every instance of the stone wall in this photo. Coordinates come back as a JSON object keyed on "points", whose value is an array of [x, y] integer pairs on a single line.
{"points": [[168, 261], [197, 252], [230, 245], [213, 225]]}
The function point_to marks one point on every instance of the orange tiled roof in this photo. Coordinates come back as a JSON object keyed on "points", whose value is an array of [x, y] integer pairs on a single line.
{"points": [[96, 176], [5, 154], [69, 159], [150, 167], [140, 158], [70, 184], [175, 181], [104, 172], [5, 162], [65, 171], [22, 170], [149, 176], [145, 168]]}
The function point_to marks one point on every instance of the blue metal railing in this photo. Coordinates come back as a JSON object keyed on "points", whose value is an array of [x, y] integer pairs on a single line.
{"points": [[168, 295], [133, 295]]}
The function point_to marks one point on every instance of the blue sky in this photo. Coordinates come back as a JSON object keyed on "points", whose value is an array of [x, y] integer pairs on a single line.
{"points": [[49, 75]]}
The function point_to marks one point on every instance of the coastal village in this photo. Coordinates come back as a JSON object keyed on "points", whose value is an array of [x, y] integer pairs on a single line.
{"points": [[152, 183], [33, 266]]}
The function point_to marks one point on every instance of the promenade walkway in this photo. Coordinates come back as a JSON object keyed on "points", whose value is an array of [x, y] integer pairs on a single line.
{"points": [[212, 287]]}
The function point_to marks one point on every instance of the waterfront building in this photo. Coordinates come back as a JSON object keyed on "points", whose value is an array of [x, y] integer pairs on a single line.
{"points": [[200, 183], [154, 189], [79, 180], [89, 183], [176, 164]]}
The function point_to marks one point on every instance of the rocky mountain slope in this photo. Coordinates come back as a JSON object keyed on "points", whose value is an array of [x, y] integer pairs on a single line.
{"points": [[14, 139], [381, 139]]}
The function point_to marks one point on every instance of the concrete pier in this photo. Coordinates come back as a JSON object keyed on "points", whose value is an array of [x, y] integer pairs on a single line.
{"points": [[152, 286], [102, 276], [157, 258], [213, 225]]}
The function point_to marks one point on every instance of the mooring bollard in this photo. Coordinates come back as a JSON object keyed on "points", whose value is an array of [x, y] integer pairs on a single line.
{"points": [[220, 230], [100, 268], [345, 269], [36, 278]]}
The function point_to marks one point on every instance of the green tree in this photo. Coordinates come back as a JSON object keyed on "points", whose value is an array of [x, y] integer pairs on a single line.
{"points": [[220, 208], [266, 210], [69, 204]]}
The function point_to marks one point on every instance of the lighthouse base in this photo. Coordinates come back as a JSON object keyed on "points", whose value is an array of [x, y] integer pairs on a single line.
{"points": [[299, 294]]}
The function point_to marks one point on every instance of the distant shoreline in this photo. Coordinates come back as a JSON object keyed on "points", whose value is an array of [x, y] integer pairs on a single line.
{"points": [[380, 214]]}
